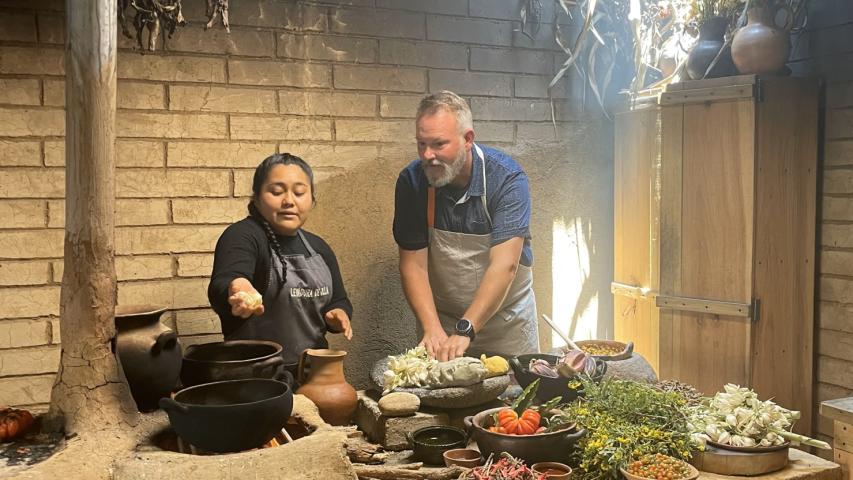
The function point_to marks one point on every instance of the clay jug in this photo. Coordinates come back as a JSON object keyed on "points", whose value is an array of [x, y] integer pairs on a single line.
{"points": [[149, 353], [326, 385], [760, 46], [710, 42]]}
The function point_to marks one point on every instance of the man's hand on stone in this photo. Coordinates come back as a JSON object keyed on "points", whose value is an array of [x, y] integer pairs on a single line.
{"points": [[432, 341], [453, 347]]}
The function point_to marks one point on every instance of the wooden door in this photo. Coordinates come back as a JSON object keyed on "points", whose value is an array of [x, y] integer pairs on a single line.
{"points": [[635, 213], [707, 192], [783, 340]]}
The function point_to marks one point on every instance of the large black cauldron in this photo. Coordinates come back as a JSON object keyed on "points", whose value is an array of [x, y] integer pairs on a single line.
{"points": [[230, 416], [233, 360]]}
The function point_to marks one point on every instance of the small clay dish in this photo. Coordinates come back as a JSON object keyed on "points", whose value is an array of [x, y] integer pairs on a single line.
{"points": [[430, 443], [553, 470], [464, 457]]}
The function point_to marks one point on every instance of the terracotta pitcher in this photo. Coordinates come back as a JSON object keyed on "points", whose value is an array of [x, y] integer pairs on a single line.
{"points": [[761, 46], [326, 385]]}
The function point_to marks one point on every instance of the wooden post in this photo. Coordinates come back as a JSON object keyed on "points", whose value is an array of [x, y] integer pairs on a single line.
{"points": [[90, 393]]}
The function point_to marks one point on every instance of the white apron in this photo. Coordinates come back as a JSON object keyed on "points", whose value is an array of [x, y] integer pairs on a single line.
{"points": [[457, 265]]}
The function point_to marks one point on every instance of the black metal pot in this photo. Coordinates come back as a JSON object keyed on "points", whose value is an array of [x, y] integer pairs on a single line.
{"points": [[233, 360], [430, 443], [230, 416], [541, 447], [550, 387]]}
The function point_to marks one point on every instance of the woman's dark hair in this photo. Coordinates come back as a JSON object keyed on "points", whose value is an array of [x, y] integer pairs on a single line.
{"points": [[261, 174]]}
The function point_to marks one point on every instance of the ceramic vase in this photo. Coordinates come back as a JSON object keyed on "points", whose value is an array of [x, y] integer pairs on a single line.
{"points": [[149, 353], [761, 46], [326, 385], [711, 41]]}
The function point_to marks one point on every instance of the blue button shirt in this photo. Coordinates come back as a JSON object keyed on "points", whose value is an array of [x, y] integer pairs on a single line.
{"points": [[460, 210]]}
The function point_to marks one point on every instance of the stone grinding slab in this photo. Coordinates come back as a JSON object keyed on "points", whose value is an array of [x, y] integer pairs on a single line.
{"points": [[451, 397]]}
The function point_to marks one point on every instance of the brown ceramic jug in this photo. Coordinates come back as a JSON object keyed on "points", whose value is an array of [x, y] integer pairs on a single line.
{"points": [[149, 353], [760, 46], [326, 385]]}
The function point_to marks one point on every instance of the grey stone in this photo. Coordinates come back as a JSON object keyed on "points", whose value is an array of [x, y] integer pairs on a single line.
{"points": [[391, 432], [448, 398], [399, 404]]}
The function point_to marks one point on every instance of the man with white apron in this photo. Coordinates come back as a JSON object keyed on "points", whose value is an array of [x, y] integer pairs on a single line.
{"points": [[461, 220]]}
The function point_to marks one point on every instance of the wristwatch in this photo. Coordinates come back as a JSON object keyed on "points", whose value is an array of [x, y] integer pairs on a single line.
{"points": [[464, 327]]}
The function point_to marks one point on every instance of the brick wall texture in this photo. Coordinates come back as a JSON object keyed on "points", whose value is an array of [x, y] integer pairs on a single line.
{"points": [[826, 49], [334, 81]]}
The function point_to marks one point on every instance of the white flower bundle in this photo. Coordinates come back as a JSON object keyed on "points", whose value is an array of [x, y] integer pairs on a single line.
{"points": [[410, 369], [739, 418]]}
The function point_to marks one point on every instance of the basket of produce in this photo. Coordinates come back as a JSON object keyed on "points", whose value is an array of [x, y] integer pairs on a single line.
{"points": [[531, 434], [736, 419], [606, 349], [659, 467], [459, 383], [558, 375]]}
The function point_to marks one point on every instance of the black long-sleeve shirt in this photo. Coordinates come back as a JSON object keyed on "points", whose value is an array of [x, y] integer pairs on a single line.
{"points": [[243, 250]]}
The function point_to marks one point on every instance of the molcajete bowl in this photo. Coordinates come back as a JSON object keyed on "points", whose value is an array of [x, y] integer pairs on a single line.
{"points": [[230, 416], [542, 447], [430, 443], [233, 360], [550, 387], [449, 397]]}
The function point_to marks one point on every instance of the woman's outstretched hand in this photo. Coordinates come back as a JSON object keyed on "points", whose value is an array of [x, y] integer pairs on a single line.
{"points": [[338, 320], [245, 301]]}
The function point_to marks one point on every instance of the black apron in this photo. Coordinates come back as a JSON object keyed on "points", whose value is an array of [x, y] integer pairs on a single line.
{"points": [[293, 316]]}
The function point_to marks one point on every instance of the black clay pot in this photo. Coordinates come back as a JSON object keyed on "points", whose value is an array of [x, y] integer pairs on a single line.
{"points": [[149, 353], [542, 447], [430, 443], [550, 387], [230, 416], [233, 360], [711, 40]]}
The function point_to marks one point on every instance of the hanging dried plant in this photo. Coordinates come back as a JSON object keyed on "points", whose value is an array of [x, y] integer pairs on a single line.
{"points": [[159, 17]]}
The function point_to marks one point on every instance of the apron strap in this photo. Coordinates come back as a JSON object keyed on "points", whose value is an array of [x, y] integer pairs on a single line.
{"points": [[308, 246], [431, 207], [483, 198]]}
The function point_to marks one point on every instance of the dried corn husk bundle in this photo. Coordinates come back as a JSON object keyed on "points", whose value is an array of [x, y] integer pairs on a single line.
{"points": [[737, 417]]}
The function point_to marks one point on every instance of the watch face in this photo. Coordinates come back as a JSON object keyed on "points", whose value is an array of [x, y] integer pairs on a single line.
{"points": [[463, 325]]}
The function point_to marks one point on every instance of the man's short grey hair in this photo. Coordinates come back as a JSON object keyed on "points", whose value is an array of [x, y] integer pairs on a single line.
{"points": [[451, 102]]}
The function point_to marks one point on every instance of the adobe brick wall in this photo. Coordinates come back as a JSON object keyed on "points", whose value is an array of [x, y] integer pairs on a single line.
{"points": [[826, 49], [333, 81]]}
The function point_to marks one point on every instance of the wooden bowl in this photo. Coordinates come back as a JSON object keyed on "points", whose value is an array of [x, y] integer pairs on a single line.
{"points": [[464, 457], [553, 470], [694, 473]]}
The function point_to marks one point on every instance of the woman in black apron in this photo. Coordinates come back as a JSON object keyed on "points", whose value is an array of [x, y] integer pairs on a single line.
{"points": [[294, 272]]}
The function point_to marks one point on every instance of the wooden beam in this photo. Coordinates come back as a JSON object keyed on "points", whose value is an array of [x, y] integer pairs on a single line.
{"points": [[89, 393]]}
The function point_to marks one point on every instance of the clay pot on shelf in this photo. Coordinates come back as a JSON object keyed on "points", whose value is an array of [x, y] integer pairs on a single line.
{"points": [[711, 41], [149, 353], [761, 46], [326, 385]]}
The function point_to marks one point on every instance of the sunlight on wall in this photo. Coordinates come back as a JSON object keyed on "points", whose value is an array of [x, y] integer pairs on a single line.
{"points": [[573, 312]]}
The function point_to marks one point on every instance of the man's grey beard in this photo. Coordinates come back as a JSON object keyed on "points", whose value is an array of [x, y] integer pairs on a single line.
{"points": [[450, 171]]}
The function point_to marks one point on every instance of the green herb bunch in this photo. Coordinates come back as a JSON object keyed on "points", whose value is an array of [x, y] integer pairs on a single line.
{"points": [[624, 421]]}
